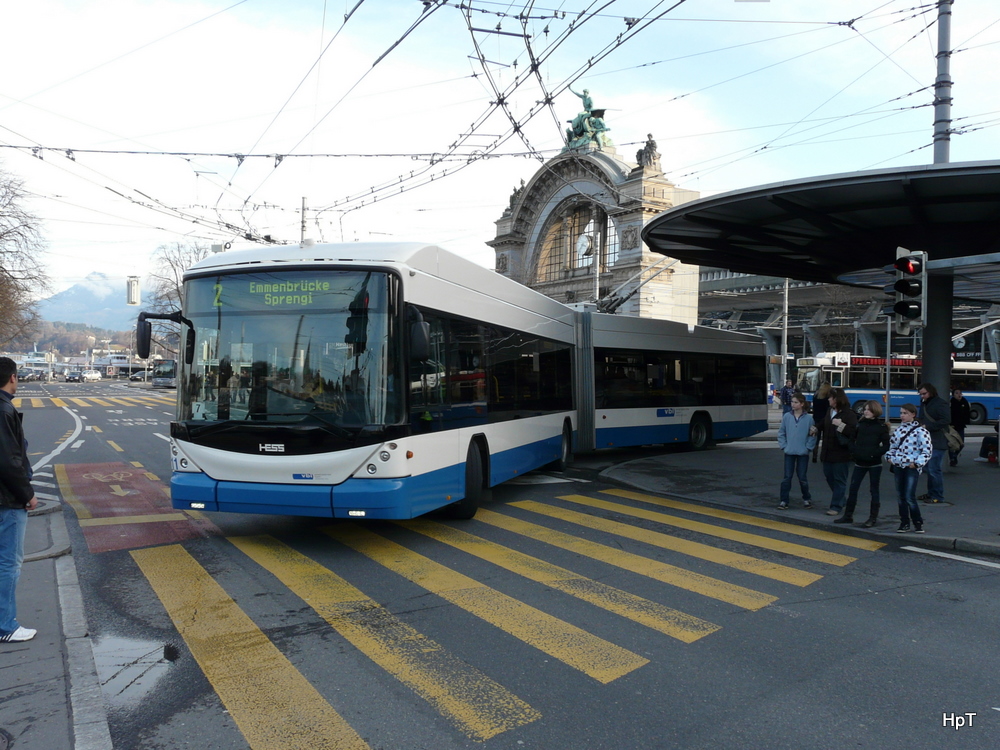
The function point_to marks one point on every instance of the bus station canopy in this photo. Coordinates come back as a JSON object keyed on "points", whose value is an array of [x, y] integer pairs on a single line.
{"points": [[845, 228]]}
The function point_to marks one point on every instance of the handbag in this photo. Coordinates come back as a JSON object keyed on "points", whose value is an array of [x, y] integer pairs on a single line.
{"points": [[955, 442]]}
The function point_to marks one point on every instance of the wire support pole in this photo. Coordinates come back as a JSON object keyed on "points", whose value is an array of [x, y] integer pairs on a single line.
{"points": [[942, 86]]}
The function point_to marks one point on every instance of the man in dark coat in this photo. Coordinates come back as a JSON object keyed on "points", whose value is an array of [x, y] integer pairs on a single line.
{"points": [[935, 415], [17, 497], [961, 417]]}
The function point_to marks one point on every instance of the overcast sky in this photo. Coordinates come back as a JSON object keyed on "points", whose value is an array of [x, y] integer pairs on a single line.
{"points": [[139, 108]]}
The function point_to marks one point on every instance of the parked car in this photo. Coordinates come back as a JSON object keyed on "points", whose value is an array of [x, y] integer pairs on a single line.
{"points": [[90, 375], [25, 375], [141, 375], [74, 376]]}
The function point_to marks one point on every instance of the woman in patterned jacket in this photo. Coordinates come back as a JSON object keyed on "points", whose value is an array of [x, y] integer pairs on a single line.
{"points": [[909, 451]]}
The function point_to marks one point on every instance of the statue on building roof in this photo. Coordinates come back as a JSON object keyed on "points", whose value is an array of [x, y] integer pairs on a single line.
{"points": [[588, 126], [648, 156]]}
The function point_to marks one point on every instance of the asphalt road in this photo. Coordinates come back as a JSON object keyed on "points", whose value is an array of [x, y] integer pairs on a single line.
{"points": [[566, 615]]}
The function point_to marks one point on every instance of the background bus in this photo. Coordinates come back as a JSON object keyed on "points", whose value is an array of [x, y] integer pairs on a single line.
{"points": [[165, 374], [863, 378], [353, 381]]}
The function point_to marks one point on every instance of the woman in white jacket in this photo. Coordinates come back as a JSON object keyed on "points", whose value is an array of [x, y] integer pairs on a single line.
{"points": [[909, 451], [797, 438]]}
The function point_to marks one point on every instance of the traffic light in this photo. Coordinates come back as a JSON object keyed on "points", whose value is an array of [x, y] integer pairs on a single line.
{"points": [[357, 322], [909, 289]]}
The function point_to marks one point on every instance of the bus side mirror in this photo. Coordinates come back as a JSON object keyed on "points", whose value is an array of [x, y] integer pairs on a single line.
{"points": [[420, 341], [143, 336], [189, 347]]}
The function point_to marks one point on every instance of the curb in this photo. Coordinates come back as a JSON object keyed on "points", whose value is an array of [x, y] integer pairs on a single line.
{"points": [[57, 530], [959, 544]]}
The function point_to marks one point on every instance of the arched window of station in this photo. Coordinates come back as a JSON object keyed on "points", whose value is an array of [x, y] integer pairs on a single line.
{"points": [[574, 231]]}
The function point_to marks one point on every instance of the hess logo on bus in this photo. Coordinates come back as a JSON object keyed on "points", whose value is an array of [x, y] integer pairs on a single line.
{"points": [[271, 448]]}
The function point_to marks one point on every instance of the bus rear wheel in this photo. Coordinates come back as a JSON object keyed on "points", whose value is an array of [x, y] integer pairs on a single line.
{"points": [[977, 414], [699, 433], [565, 452], [475, 491]]}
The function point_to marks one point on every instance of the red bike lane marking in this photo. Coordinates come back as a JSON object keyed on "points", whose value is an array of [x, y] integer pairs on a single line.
{"points": [[119, 507]]}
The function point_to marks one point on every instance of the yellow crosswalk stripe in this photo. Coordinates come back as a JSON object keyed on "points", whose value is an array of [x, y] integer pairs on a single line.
{"points": [[763, 523], [80, 402], [672, 622], [119, 401], [755, 540], [595, 657], [476, 704], [271, 702], [36, 403], [118, 520], [735, 560], [100, 402], [16, 402], [58, 402], [655, 569]]}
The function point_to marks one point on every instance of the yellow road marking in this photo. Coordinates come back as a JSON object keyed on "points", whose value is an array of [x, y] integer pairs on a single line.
{"points": [[273, 705], [16, 402], [100, 402], [120, 402], [655, 569], [133, 400], [672, 622], [58, 402], [95, 428], [763, 523], [735, 560], [575, 647], [136, 464], [475, 703], [79, 402], [66, 490], [115, 445], [755, 540], [37, 403], [152, 476], [118, 520]]}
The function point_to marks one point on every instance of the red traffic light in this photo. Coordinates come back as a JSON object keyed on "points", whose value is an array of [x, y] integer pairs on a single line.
{"points": [[910, 264]]}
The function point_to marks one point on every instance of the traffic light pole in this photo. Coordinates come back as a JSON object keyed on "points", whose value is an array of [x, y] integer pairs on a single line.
{"points": [[937, 333]]}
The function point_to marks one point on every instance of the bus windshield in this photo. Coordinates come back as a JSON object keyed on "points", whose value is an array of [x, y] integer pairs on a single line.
{"points": [[294, 346], [166, 369]]}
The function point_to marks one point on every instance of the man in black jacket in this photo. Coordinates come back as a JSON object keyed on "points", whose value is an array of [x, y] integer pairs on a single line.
{"points": [[935, 415], [17, 497], [961, 416]]}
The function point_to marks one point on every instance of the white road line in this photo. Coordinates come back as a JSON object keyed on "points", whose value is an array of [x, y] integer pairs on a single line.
{"points": [[161, 435], [46, 496], [77, 429], [953, 557], [42, 484]]}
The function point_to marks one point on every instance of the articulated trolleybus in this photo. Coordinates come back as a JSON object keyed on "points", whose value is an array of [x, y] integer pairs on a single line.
{"points": [[389, 380]]}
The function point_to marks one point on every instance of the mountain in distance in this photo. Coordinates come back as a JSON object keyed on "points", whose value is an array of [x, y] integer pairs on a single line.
{"points": [[96, 301]]}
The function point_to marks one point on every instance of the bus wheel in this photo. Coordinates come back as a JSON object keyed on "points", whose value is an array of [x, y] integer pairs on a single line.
{"points": [[977, 414], [565, 452], [475, 493], [699, 433]]}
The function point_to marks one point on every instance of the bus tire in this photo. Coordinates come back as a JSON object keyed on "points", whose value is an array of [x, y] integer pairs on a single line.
{"points": [[565, 451], [977, 414], [475, 492], [699, 432]]}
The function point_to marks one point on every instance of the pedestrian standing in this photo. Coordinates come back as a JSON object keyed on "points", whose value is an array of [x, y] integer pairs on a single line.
{"points": [[785, 396], [17, 497], [820, 407], [935, 415], [796, 437], [870, 443], [909, 451], [838, 432], [961, 417]]}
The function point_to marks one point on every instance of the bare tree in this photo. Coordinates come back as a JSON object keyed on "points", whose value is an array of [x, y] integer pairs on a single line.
{"points": [[21, 274], [166, 286]]}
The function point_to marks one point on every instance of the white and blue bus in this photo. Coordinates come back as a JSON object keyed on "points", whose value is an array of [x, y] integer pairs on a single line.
{"points": [[389, 380], [863, 379], [164, 374]]}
